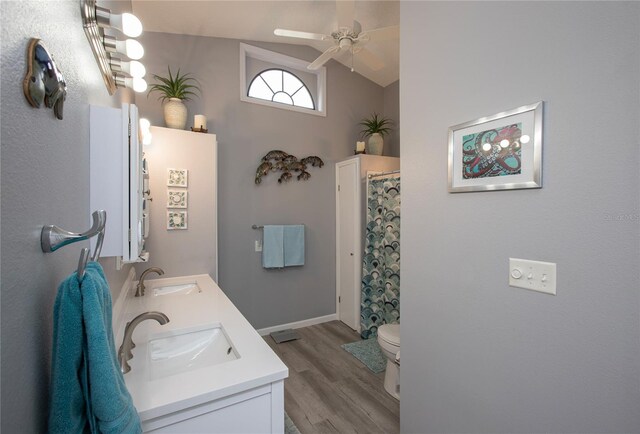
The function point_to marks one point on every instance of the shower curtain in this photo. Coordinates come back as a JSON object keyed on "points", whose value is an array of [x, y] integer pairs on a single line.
{"points": [[381, 265]]}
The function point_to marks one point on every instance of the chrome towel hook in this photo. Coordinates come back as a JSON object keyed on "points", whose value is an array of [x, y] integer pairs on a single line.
{"points": [[53, 237]]}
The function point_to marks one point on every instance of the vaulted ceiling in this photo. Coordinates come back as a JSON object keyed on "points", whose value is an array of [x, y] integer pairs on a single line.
{"points": [[256, 20]]}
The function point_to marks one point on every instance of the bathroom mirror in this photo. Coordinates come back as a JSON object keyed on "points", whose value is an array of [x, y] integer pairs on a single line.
{"points": [[43, 83]]}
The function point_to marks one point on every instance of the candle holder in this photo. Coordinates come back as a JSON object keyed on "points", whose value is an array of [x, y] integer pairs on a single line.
{"points": [[199, 130]]}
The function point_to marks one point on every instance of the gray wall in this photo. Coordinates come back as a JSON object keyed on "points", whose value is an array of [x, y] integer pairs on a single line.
{"points": [[245, 133], [392, 111], [45, 180], [478, 355]]}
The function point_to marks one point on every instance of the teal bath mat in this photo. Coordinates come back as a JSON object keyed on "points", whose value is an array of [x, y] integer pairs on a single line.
{"points": [[289, 426], [368, 352]]}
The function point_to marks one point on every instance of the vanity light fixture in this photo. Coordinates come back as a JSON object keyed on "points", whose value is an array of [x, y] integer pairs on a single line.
{"points": [[115, 72]]}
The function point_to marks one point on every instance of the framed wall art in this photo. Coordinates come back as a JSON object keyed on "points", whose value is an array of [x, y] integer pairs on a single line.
{"points": [[177, 177], [499, 152], [176, 198], [176, 220]]}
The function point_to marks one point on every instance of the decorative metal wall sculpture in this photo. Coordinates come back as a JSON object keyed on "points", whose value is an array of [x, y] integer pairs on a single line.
{"points": [[280, 161], [44, 81]]}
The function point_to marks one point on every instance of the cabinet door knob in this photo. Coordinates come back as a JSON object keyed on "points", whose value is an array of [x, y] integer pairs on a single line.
{"points": [[147, 192], [351, 254]]}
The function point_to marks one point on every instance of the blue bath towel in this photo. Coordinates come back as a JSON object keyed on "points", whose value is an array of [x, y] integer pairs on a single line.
{"points": [[273, 246], [293, 245], [88, 393]]}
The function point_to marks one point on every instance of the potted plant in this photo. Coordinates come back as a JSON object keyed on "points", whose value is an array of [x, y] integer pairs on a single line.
{"points": [[174, 89], [375, 128]]}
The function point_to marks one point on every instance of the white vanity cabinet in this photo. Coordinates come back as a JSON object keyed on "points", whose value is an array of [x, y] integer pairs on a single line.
{"points": [[117, 178], [193, 387], [259, 410]]}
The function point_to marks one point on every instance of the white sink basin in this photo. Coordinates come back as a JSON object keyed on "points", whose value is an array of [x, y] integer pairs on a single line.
{"points": [[186, 351], [180, 289]]}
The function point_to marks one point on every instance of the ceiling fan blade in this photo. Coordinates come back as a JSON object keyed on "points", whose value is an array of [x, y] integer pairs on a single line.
{"points": [[346, 11], [369, 59], [324, 57], [302, 35], [381, 34]]}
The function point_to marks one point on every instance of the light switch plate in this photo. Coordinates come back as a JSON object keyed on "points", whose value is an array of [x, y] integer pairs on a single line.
{"points": [[258, 246], [533, 275]]}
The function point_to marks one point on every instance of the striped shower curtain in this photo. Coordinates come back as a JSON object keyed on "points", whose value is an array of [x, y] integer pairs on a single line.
{"points": [[381, 265]]}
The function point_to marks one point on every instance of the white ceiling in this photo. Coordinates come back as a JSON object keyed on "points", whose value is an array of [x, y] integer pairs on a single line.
{"points": [[256, 20]]}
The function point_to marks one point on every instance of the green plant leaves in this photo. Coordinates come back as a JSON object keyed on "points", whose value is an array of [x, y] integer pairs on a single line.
{"points": [[375, 124], [175, 86]]}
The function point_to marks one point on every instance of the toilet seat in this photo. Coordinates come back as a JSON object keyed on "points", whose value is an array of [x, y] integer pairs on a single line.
{"points": [[390, 333]]}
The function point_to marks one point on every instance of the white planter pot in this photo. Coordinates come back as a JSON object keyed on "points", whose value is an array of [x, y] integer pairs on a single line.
{"points": [[375, 144], [175, 113]]}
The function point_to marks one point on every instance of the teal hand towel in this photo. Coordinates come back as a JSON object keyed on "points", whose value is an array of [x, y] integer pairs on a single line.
{"points": [[88, 392], [273, 246], [293, 245]]}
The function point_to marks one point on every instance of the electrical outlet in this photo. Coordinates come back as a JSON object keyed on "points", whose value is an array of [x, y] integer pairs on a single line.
{"points": [[533, 275], [258, 245]]}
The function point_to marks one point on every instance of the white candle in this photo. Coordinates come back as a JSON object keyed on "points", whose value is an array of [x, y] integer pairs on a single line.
{"points": [[359, 146], [200, 122]]}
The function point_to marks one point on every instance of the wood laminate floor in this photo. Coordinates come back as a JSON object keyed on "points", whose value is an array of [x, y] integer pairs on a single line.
{"points": [[329, 390]]}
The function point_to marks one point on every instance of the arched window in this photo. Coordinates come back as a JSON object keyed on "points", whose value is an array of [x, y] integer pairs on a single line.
{"points": [[281, 86]]}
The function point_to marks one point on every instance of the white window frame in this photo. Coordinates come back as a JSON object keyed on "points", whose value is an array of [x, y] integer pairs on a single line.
{"points": [[249, 51]]}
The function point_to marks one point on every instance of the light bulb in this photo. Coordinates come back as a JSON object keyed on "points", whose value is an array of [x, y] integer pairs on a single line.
{"points": [[131, 48], [132, 68], [146, 138], [127, 23], [137, 84], [144, 125], [486, 147], [525, 139], [504, 143]]}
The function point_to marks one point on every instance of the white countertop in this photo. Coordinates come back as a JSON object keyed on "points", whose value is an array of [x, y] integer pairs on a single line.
{"points": [[257, 364]]}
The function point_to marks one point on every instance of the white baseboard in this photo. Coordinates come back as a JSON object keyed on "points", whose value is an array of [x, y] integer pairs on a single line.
{"points": [[298, 324]]}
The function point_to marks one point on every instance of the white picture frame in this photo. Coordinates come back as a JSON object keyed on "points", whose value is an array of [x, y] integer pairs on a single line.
{"points": [[176, 220], [177, 198], [177, 178]]}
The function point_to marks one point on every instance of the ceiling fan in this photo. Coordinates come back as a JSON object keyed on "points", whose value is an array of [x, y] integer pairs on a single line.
{"points": [[349, 37]]}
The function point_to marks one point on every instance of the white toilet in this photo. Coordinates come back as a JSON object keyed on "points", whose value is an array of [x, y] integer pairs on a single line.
{"points": [[389, 341]]}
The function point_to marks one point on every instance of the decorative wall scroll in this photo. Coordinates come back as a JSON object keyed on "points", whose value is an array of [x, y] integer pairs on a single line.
{"points": [[43, 82], [499, 152], [280, 161]]}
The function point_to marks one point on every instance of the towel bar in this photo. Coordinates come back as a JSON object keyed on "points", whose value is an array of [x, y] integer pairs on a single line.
{"points": [[262, 226]]}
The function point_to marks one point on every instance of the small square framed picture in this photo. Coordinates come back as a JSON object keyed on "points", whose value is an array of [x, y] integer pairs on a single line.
{"points": [[177, 177], [176, 198], [176, 220], [498, 152]]}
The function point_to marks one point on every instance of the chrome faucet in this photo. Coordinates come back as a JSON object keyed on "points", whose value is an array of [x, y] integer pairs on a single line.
{"points": [[140, 287], [124, 353]]}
